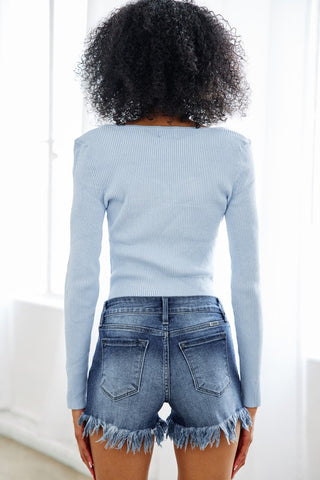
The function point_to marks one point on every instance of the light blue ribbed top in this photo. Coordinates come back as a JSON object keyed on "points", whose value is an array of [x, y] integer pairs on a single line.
{"points": [[164, 190]]}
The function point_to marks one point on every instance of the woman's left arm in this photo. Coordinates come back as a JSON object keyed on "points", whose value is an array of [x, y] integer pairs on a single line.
{"points": [[83, 269]]}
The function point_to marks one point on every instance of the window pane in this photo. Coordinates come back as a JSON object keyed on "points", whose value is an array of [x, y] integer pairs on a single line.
{"points": [[24, 84]]}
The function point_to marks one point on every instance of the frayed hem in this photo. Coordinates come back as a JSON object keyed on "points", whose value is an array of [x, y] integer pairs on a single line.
{"points": [[120, 435], [203, 436]]}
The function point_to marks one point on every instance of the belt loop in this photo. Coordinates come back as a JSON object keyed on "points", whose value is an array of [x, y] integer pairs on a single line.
{"points": [[165, 310], [222, 309], [103, 312]]}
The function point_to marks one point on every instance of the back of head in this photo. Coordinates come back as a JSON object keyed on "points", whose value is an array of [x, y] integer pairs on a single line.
{"points": [[164, 56]]}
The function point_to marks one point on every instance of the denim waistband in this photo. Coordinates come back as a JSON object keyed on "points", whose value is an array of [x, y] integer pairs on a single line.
{"points": [[159, 303]]}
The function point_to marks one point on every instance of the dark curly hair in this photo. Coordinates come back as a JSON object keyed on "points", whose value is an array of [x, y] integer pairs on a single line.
{"points": [[164, 56]]}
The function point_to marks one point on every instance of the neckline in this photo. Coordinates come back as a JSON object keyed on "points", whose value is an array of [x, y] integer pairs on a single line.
{"points": [[161, 126]]}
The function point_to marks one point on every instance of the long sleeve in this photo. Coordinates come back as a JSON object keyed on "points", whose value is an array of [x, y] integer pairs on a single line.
{"points": [[243, 237], [82, 277]]}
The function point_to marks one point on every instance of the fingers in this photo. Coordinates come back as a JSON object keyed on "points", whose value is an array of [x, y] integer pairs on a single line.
{"points": [[83, 443], [245, 441], [86, 456], [85, 452]]}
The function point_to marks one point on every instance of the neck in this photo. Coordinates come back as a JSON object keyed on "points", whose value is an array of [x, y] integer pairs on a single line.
{"points": [[162, 120]]}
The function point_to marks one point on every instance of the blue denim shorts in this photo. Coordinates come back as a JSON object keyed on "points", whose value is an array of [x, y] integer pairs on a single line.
{"points": [[154, 349]]}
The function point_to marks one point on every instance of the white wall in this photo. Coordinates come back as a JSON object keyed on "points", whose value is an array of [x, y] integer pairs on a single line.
{"points": [[32, 408]]}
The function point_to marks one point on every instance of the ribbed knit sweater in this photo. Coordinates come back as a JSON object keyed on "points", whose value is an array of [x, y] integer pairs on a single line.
{"points": [[165, 190]]}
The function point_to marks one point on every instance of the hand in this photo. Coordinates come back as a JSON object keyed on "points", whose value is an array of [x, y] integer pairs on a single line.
{"points": [[83, 443], [244, 443]]}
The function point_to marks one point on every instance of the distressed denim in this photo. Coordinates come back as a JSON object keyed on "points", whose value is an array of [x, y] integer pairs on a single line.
{"points": [[151, 350]]}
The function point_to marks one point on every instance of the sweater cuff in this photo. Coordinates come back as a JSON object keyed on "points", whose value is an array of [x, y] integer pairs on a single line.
{"points": [[77, 398], [251, 394]]}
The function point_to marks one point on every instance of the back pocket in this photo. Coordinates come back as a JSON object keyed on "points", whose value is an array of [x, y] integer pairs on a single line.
{"points": [[122, 364], [208, 363]]}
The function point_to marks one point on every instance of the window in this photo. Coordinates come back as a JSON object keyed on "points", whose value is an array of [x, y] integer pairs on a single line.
{"points": [[41, 114]]}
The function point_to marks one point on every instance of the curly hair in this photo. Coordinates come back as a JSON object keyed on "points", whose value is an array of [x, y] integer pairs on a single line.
{"points": [[164, 56]]}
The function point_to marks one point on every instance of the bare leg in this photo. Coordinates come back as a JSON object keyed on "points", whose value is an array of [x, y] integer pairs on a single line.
{"points": [[212, 463], [117, 464]]}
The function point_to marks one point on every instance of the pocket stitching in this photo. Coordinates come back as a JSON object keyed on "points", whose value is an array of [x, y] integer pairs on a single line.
{"points": [[191, 343], [200, 340], [125, 342]]}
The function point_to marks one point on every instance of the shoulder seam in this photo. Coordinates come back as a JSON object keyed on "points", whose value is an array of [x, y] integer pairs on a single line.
{"points": [[240, 163]]}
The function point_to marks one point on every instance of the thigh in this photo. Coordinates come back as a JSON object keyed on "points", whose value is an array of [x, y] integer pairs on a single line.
{"points": [[207, 411], [205, 394], [125, 392], [212, 463], [118, 464]]}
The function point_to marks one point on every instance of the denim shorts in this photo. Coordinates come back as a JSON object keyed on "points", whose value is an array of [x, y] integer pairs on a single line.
{"points": [[155, 349]]}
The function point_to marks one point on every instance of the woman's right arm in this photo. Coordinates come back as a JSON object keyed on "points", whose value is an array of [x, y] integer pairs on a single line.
{"points": [[243, 236]]}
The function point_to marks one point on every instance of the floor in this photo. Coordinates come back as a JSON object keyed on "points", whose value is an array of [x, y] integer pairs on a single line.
{"points": [[18, 462]]}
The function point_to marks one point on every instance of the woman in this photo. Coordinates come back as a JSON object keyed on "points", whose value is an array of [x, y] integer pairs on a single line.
{"points": [[163, 71]]}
